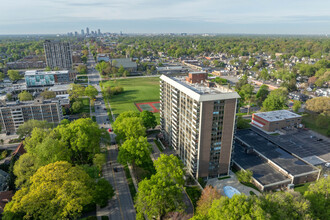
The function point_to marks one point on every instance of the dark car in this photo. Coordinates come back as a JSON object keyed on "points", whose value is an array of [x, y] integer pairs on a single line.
{"points": [[115, 169]]}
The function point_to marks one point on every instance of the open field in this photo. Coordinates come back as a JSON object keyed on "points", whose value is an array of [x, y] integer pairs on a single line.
{"points": [[309, 120], [136, 90]]}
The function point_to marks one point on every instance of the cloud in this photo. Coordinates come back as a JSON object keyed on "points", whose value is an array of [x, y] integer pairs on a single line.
{"points": [[31, 12]]}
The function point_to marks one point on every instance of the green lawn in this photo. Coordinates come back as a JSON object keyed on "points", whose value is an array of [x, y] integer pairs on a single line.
{"points": [[301, 188], [309, 122], [85, 109], [136, 90]]}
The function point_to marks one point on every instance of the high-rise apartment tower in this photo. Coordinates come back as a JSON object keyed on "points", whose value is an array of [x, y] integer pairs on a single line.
{"points": [[58, 54], [198, 121]]}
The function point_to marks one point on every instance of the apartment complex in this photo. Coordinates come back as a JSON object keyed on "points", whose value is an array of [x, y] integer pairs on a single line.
{"points": [[46, 78], [58, 54], [199, 123], [14, 114]]}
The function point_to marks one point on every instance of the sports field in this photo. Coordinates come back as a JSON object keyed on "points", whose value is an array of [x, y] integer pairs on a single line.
{"points": [[136, 90], [148, 106]]}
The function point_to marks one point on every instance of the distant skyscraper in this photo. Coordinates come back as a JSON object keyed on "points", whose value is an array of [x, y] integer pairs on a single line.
{"points": [[82, 32], [58, 54], [75, 33], [99, 32], [87, 31]]}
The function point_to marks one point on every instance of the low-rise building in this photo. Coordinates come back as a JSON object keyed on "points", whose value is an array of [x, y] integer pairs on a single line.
{"points": [[276, 120], [102, 57], [46, 78], [14, 114], [127, 63]]}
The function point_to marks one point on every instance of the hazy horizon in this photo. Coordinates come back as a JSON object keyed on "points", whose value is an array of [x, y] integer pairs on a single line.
{"points": [[295, 17]]}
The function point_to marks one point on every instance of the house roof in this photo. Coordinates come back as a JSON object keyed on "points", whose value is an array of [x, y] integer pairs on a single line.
{"points": [[19, 150], [5, 197]]}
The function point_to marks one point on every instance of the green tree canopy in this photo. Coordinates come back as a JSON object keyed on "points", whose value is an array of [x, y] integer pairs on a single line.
{"points": [[171, 168], [135, 151], [91, 91], [25, 96], [76, 91], [24, 168], [25, 129], [77, 106], [57, 191], [149, 119], [319, 105], [48, 94], [2, 76], [276, 100], [131, 127], [157, 196], [262, 94], [14, 75], [318, 196], [82, 69]]}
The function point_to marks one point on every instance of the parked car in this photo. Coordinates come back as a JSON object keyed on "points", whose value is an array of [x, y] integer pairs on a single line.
{"points": [[110, 130]]}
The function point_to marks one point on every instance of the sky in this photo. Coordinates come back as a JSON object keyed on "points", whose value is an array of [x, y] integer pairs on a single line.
{"points": [[166, 16]]}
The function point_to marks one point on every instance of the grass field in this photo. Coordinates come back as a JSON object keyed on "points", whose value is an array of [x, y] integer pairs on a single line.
{"points": [[85, 109], [136, 90], [309, 121]]}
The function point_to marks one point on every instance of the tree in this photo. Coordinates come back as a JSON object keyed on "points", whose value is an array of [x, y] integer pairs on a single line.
{"points": [[323, 121], [157, 196], [246, 93], [25, 96], [262, 94], [244, 176], [242, 123], [121, 70], [9, 96], [276, 100], [82, 69], [76, 91], [14, 75], [99, 160], [149, 119], [319, 105], [129, 127], [318, 196], [77, 106], [2, 76], [102, 66], [103, 192], [46, 148], [24, 168], [241, 82], [285, 205], [48, 94], [170, 167], [296, 105], [82, 137], [238, 207], [56, 183], [264, 74], [135, 151], [91, 91], [26, 129], [204, 203]]}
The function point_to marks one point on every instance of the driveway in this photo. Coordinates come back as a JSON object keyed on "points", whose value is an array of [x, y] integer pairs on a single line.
{"points": [[232, 181]]}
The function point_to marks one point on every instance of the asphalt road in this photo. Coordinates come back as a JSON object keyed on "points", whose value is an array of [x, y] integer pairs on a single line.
{"points": [[121, 205]]}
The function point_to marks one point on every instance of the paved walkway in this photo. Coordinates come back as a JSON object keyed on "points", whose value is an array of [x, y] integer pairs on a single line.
{"points": [[232, 181]]}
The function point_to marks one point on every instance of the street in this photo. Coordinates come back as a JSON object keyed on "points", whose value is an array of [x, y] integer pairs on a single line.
{"points": [[121, 206]]}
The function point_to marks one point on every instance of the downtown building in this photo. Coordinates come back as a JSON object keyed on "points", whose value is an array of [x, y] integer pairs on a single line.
{"points": [[14, 114], [58, 54], [198, 121]]}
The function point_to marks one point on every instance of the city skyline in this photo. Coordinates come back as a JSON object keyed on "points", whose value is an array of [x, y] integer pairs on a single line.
{"points": [[145, 16]]}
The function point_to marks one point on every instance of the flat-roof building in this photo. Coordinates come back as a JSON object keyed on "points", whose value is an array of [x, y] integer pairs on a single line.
{"points": [[273, 167], [14, 114], [46, 78], [198, 122], [275, 120]]}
